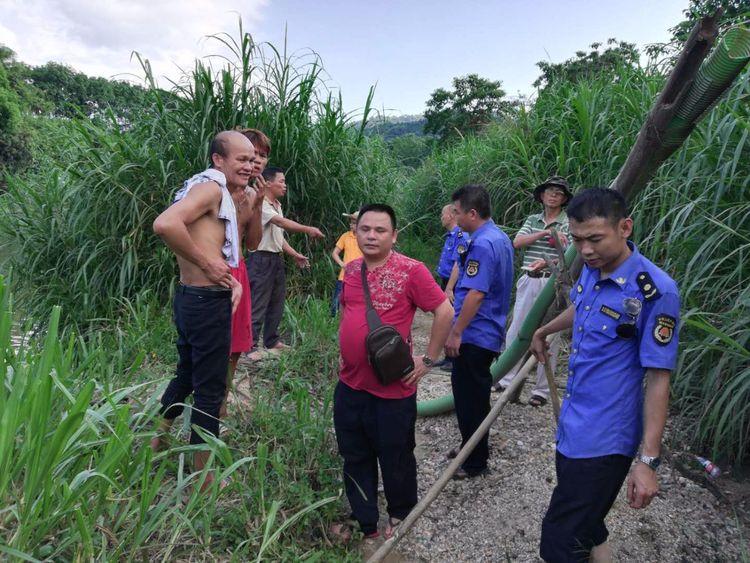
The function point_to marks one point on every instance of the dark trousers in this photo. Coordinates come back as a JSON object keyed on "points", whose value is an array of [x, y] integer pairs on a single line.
{"points": [[471, 381], [203, 318], [335, 303], [268, 284], [371, 430], [586, 489], [443, 282]]}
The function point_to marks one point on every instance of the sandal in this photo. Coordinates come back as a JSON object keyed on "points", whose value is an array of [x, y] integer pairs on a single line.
{"points": [[341, 532], [537, 401], [499, 387], [392, 527]]}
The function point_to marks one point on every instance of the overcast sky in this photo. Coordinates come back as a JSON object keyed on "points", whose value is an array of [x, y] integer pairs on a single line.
{"points": [[407, 48]]}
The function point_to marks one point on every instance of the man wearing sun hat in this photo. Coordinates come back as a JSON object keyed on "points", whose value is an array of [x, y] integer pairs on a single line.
{"points": [[347, 244], [534, 238]]}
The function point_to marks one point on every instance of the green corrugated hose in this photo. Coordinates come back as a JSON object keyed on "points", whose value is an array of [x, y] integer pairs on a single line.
{"points": [[715, 75]]}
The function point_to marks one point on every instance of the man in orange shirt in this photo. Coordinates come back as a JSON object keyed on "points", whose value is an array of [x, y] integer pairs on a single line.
{"points": [[347, 244]]}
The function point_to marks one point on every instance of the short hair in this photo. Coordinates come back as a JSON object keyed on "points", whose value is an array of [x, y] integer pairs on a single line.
{"points": [[219, 145], [597, 202], [269, 174], [474, 196], [378, 208], [258, 138]]}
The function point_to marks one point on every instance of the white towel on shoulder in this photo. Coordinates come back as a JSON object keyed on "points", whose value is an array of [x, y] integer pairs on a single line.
{"points": [[227, 212]]}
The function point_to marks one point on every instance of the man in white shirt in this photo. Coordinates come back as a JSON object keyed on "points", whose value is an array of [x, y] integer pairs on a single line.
{"points": [[266, 265]]}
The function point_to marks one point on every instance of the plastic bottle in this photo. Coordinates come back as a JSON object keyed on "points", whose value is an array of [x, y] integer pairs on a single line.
{"points": [[711, 468]]}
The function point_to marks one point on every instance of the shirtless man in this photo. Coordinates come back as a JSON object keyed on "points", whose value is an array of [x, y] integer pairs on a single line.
{"points": [[201, 229]]}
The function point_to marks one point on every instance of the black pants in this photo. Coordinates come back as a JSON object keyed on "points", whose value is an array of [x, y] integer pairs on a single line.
{"points": [[204, 323], [371, 430], [268, 286], [471, 381], [443, 282], [586, 489]]}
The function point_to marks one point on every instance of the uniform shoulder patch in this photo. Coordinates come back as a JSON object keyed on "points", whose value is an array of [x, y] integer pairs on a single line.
{"points": [[472, 268], [647, 286], [664, 329]]}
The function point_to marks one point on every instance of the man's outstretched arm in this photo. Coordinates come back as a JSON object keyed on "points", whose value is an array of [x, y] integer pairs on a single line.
{"points": [[294, 227]]}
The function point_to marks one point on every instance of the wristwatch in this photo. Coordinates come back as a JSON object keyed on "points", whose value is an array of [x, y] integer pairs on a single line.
{"points": [[651, 461], [427, 361]]}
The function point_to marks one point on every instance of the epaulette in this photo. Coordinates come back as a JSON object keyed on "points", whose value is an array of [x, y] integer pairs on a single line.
{"points": [[647, 286]]}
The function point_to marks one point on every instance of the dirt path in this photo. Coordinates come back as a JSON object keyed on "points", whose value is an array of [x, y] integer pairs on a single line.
{"points": [[498, 517]]}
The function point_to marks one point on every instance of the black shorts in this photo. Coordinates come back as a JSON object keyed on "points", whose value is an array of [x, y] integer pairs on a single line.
{"points": [[586, 489]]}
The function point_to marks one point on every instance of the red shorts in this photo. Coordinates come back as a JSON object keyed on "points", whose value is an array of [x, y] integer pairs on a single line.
{"points": [[242, 333]]}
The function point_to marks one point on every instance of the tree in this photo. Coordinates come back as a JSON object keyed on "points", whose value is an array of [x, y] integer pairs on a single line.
{"points": [[410, 149], [733, 12], [14, 151], [586, 65], [470, 106]]}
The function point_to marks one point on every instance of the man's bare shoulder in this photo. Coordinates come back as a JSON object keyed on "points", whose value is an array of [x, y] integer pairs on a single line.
{"points": [[208, 189]]}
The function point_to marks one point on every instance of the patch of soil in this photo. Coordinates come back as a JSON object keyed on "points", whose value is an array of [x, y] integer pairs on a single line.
{"points": [[498, 517]]}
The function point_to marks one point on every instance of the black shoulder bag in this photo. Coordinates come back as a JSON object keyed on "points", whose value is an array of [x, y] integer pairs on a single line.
{"points": [[389, 356]]}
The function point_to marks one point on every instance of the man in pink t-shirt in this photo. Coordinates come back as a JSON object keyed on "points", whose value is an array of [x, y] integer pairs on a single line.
{"points": [[374, 422]]}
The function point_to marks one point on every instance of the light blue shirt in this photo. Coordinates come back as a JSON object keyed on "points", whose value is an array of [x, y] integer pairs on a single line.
{"points": [[486, 266], [602, 410]]}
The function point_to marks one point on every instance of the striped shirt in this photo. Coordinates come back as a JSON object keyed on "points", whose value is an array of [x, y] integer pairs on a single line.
{"points": [[541, 248]]}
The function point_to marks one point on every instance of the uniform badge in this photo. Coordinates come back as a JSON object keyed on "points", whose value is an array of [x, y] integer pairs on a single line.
{"points": [[472, 268], [647, 286], [461, 249], [620, 280], [579, 289], [632, 306], [664, 329], [611, 313]]}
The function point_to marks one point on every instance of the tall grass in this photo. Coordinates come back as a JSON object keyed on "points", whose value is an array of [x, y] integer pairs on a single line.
{"points": [[79, 482], [693, 220], [80, 235]]}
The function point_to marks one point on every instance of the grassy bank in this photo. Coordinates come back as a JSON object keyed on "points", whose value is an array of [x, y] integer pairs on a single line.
{"points": [[78, 481]]}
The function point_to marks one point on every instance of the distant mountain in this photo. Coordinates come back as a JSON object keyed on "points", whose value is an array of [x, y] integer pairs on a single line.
{"points": [[396, 126]]}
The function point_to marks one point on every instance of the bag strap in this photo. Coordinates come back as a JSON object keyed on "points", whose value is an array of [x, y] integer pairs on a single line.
{"points": [[373, 320]]}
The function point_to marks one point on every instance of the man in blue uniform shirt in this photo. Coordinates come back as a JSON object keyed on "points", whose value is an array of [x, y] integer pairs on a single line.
{"points": [[482, 301], [624, 316], [455, 242]]}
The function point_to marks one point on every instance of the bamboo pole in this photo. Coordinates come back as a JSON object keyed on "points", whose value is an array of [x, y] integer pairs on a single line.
{"points": [[553, 394], [432, 494]]}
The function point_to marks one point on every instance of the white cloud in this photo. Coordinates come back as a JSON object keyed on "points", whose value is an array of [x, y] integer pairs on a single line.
{"points": [[98, 36]]}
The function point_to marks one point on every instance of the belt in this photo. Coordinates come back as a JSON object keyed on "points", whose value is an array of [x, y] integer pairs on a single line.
{"points": [[542, 274], [268, 252], [213, 291]]}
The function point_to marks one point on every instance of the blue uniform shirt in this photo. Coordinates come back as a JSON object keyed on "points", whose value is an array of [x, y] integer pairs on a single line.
{"points": [[454, 241], [487, 266], [602, 410]]}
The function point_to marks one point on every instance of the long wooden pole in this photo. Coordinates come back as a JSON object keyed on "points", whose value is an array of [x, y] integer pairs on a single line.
{"points": [[432, 494]]}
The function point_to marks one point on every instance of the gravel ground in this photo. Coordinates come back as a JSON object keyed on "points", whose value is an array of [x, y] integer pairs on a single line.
{"points": [[498, 517]]}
